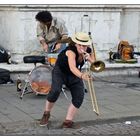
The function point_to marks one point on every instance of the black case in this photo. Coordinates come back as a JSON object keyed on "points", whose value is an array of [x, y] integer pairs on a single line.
{"points": [[4, 76], [3, 55]]}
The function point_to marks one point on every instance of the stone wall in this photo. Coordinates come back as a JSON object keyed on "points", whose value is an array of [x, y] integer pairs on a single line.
{"points": [[108, 25]]}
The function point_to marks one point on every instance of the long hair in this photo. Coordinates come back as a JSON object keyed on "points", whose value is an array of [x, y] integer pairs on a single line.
{"points": [[71, 43]]}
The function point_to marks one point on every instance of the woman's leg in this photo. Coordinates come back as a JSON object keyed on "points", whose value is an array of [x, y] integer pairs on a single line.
{"points": [[49, 106], [53, 95], [68, 123], [77, 91], [71, 112]]}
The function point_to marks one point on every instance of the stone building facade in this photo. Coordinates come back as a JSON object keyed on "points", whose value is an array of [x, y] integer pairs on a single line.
{"points": [[108, 25]]}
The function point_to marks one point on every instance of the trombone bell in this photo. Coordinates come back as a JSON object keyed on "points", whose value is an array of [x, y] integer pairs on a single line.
{"points": [[97, 66]]}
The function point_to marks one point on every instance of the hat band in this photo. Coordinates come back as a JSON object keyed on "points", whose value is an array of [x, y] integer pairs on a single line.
{"points": [[81, 40]]}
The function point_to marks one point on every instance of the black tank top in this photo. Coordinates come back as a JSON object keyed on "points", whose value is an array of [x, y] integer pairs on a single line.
{"points": [[62, 60]]}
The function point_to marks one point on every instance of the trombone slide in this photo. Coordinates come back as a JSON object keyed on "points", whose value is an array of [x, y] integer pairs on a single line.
{"points": [[92, 92], [93, 96]]}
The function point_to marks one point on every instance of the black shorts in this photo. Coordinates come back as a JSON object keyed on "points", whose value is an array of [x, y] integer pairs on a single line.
{"points": [[74, 83]]}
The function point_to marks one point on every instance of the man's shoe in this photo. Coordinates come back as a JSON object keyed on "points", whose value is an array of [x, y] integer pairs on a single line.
{"points": [[67, 124], [45, 118]]}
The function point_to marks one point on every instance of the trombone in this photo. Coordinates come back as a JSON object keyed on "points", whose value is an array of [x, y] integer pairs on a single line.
{"points": [[92, 92], [97, 66]]}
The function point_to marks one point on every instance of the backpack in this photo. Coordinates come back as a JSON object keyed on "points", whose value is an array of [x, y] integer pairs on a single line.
{"points": [[3, 55], [125, 50], [4, 76]]}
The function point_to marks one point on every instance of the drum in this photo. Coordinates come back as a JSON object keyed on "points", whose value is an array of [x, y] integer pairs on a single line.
{"points": [[40, 79], [52, 57]]}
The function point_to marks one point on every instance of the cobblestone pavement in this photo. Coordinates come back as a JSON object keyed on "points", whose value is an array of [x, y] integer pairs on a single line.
{"points": [[118, 100], [117, 128]]}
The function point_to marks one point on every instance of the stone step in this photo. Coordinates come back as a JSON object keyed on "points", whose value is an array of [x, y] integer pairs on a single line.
{"points": [[111, 69]]}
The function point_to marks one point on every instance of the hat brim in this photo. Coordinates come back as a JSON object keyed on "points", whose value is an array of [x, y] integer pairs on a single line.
{"points": [[80, 42]]}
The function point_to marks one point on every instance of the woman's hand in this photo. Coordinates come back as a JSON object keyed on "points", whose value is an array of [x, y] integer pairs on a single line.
{"points": [[89, 57], [86, 76]]}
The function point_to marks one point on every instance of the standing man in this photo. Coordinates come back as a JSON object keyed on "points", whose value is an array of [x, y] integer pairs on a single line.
{"points": [[49, 31]]}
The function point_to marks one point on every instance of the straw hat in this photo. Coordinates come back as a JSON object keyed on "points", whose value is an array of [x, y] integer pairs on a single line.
{"points": [[81, 38]]}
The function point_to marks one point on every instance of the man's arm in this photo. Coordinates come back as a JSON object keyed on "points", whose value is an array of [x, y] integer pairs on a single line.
{"points": [[41, 37], [44, 45]]}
